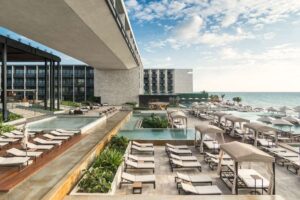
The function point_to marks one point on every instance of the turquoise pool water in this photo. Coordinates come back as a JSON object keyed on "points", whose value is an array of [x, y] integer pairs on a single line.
{"points": [[158, 134], [68, 123]]}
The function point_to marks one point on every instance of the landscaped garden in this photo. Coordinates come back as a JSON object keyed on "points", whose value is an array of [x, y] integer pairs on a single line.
{"points": [[11, 117], [99, 177], [155, 121]]}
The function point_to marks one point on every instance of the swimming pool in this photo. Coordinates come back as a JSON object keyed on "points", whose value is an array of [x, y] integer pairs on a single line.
{"points": [[63, 122], [158, 134]]}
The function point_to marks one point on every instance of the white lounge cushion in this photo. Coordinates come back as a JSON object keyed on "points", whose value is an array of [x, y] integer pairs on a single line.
{"points": [[142, 148], [201, 190], [183, 158], [41, 147], [211, 144], [18, 152], [2, 144], [67, 131], [141, 158], [140, 164], [138, 178], [245, 175], [11, 135], [180, 151], [42, 141], [186, 164], [197, 178], [13, 160], [52, 137], [2, 139], [56, 133], [142, 144], [177, 146]]}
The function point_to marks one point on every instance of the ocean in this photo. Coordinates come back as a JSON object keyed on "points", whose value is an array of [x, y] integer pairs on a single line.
{"points": [[264, 99]]}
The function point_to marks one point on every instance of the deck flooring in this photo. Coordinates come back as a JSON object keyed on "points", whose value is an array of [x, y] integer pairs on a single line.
{"points": [[46, 177]]}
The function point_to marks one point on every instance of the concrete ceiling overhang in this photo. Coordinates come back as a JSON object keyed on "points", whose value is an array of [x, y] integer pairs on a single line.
{"points": [[83, 29]]}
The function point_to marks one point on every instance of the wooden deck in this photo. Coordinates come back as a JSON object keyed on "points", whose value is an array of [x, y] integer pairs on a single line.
{"points": [[53, 179]]}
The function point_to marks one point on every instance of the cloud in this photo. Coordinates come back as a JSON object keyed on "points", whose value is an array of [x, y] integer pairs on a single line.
{"points": [[189, 30], [269, 36]]}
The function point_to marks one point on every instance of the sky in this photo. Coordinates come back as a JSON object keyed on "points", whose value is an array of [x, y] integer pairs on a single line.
{"points": [[247, 45], [231, 45]]}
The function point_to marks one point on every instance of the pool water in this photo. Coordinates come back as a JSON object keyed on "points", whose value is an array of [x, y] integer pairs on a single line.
{"points": [[68, 123], [158, 134]]}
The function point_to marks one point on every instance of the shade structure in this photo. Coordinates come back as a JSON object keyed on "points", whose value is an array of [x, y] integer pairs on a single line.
{"points": [[234, 119], [271, 109], [219, 115], [281, 122], [259, 128], [284, 108], [173, 115], [205, 129], [265, 119], [291, 119], [241, 152]]}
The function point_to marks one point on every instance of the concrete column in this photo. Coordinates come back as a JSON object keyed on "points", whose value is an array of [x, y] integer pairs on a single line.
{"points": [[24, 83], [12, 78], [85, 83], [4, 83], [73, 83], [61, 68], [37, 82]]}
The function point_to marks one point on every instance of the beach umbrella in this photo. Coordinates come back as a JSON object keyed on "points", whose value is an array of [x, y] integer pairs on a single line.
{"points": [[190, 98], [291, 119], [182, 98], [271, 109], [196, 98], [284, 108], [297, 109], [281, 122], [265, 119]]}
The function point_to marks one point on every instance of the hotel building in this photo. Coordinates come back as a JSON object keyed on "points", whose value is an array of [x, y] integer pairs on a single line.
{"points": [[168, 81]]}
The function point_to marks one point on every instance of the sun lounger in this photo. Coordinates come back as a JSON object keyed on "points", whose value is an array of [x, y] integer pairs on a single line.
{"points": [[185, 164], [138, 144], [265, 143], [14, 161], [3, 144], [127, 178], [209, 156], [212, 145], [142, 149], [52, 137], [67, 131], [17, 132], [183, 158], [293, 165], [193, 179], [47, 142], [18, 152], [11, 135], [200, 190], [140, 158], [179, 151], [176, 146], [138, 165], [213, 163], [246, 176], [39, 147], [2, 139], [56, 133]]}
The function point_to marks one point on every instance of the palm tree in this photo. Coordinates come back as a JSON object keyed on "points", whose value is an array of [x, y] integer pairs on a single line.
{"points": [[222, 96]]}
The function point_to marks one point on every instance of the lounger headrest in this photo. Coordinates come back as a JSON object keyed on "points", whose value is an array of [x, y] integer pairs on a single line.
{"points": [[129, 177]]}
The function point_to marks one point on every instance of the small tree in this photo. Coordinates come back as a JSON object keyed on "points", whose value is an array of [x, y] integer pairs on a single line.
{"points": [[222, 96], [237, 99]]}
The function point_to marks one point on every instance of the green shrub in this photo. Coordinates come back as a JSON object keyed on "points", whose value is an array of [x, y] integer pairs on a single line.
{"points": [[70, 103], [96, 180], [118, 143], [5, 128], [11, 116], [155, 121], [109, 159], [104, 168]]}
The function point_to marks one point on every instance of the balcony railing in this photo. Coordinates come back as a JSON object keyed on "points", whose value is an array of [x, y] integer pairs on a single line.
{"points": [[114, 12]]}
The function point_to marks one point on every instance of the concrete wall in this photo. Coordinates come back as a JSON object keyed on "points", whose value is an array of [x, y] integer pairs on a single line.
{"points": [[117, 86], [183, 80]]}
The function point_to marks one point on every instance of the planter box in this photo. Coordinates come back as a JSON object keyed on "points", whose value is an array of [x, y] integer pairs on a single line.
{"points": [[17, 121], [114, 184]]}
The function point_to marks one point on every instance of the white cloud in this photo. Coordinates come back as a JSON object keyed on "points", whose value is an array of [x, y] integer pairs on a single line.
{"points": [[269, 36], [189, 30]]}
